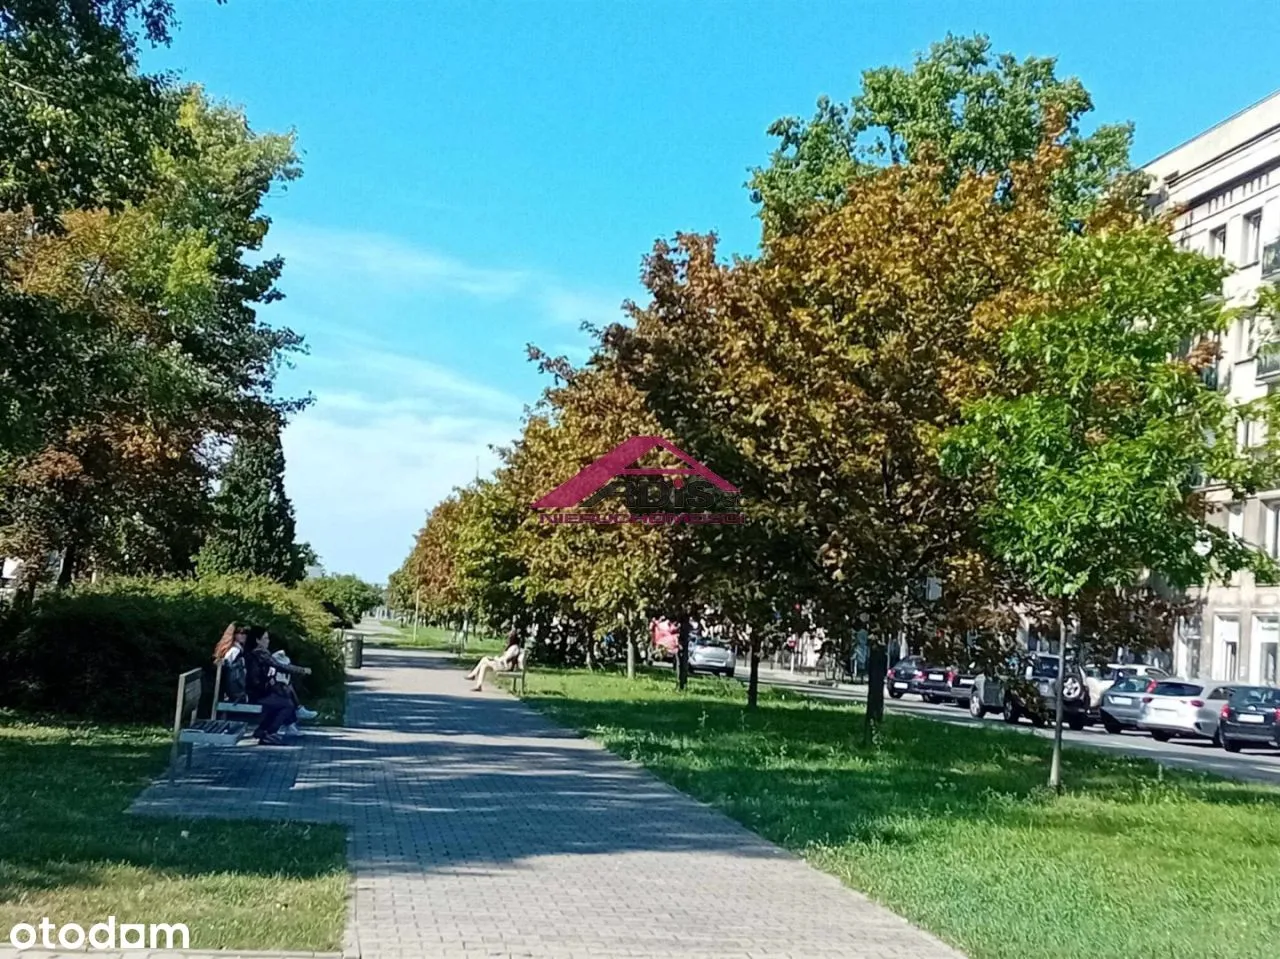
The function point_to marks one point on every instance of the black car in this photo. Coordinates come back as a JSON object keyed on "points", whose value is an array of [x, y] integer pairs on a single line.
{"points": [[905, 677], [946, 685], [1251, 717]]}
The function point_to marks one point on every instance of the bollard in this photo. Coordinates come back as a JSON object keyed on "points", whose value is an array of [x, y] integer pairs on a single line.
{"points": [[353, 644]]}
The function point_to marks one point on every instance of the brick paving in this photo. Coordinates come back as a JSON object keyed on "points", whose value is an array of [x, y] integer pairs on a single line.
{"points": [[479, 829]]}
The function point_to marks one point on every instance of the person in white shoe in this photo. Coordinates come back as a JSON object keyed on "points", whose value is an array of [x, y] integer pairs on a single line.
{"points": [[492, 664], [286, 686]]}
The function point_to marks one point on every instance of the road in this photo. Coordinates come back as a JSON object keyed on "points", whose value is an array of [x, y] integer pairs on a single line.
{"points": [[1261, 766]]}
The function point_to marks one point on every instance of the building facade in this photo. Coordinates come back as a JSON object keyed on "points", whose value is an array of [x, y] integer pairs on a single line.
{"points": [[1225, 188]]}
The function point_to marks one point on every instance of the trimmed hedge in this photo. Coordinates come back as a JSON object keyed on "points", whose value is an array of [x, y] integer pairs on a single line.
{"points": [[113, 650]]}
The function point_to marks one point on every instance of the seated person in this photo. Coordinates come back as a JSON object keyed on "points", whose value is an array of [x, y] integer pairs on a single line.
{"points": [[284, 680], [228, 656], [268, 687], [506, 662]]}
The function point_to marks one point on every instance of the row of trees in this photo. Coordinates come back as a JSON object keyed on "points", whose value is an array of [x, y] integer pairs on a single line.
{"points": [[966, 350], [135, 370]]}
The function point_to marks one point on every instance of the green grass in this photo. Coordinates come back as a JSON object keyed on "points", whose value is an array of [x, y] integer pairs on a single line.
{"points": [[437, 638], [69, 852], [951, 826]]}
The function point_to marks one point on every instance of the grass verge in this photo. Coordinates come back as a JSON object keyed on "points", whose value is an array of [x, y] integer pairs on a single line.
{"points": [[70, 853], [951, 826], [437, 638]]}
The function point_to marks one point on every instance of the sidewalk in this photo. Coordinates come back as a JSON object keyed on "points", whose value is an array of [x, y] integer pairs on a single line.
{"points": [[479, 829]]}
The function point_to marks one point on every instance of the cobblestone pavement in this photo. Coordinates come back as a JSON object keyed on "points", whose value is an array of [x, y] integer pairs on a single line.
{"points": [[480, 829]]}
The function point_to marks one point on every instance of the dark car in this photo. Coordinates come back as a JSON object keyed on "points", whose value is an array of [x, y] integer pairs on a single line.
{"points": [[905, 676], [1251, 717], [946, 685]]}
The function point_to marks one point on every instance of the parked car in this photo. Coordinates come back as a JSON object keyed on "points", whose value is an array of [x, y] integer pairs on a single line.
{"points": [[1122, 703], [949, 685], [710, 655], [1102, 678], [1036, 695], [1184, 708], [906, 676], [1251, 717]]}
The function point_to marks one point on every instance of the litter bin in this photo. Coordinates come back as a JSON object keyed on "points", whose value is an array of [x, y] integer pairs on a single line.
{"points": [[353, 645]]}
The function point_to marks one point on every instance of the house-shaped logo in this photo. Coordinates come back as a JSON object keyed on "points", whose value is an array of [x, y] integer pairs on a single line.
{"points": [[690, 493]]}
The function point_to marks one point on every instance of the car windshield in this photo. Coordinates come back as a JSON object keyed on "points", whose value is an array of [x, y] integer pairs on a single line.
{"points": [[710, 641], [1046, 667], [1177, 689], [1259, 695]]}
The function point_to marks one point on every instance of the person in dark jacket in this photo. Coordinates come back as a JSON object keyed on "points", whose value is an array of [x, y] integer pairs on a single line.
{"points": [[264, 675]]}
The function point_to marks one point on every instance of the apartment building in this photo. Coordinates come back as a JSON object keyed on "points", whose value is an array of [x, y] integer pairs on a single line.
{"points": [[1225, 185]]}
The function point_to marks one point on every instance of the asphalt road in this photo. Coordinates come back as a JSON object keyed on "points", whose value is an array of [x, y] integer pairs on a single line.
{"points": [[1251, 765]]}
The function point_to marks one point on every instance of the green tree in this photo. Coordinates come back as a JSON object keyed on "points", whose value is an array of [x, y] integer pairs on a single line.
{"points": [[346, 596], [960, 105], [1099, 428], [253, 525]]}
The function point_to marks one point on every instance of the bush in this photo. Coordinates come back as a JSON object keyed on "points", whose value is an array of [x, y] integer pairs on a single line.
{"points": [[114, 650]]}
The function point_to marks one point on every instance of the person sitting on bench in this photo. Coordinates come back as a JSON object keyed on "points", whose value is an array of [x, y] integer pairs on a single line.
{"points": [[268, 690], [505, 663], [229, 656]]}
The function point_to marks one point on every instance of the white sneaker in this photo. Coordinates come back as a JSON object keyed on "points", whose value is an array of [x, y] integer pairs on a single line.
{"points": [[290, 730], [304, 713]]}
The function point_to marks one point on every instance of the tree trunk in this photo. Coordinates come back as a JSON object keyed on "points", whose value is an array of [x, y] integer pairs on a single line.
{"points": [[1055, 765], [70, 558], [631, 653], [877, 670], [753, 683], [682, 652]]}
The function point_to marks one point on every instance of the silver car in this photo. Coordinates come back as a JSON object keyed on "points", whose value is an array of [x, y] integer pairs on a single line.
{"points": [[708, 655], [1184, 707], [1122, 703]]}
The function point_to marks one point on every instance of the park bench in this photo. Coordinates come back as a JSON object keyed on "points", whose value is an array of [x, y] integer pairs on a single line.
{"points": [[190, 731], [516, 676]]}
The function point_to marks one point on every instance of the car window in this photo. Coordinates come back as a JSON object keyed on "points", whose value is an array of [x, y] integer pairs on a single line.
{"points": [[1262, 695], [1046, 667], [1221, 692], [1167, 688], [711, 641], [1132, 684]]}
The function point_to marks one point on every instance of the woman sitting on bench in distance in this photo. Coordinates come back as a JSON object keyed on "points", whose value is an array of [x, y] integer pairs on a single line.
{"points": [[506, 662], [229, 657], [278, 702]]}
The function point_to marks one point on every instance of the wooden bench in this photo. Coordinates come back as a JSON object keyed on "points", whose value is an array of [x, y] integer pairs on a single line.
{"points": [[189, 731], [516, 676]]}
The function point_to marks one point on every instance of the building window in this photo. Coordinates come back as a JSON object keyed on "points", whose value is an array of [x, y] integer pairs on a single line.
{"points": [[1226, 658], [1218, 242], [1271, 528], [1269, 672], [1235, 520], [1251, 238]]}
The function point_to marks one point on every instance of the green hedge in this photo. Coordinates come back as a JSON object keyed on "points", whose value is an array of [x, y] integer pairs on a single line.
{"points": [[114, 650]]}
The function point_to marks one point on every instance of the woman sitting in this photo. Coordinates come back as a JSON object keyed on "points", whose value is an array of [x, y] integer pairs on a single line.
{"points": [[505, 663], [228, 656], [269, 687]]}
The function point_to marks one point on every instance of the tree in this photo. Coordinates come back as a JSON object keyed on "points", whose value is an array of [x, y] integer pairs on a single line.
{"points": [[253, 526], [959, 105], [1100, 425], [346, 595]]}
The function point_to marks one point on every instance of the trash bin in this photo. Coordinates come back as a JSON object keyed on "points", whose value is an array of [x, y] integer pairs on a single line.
{"points": [[353, 644]]}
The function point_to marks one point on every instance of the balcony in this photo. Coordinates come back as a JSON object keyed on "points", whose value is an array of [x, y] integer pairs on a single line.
{"points": [[1268, 368], [1271, 259]]}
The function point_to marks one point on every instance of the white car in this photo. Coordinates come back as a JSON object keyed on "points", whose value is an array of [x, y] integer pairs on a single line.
{"points": [[1184, 707]]}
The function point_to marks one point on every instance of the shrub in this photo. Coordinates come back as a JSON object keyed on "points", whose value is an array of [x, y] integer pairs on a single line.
{"points": [[114, 650]]}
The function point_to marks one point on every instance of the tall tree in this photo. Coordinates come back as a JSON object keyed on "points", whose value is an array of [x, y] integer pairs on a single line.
{"points": [[960, 105], [253, 526], [1099, 426]]}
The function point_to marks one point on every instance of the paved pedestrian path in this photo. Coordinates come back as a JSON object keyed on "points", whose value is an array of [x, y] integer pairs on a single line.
{"points": [[478, 828]]}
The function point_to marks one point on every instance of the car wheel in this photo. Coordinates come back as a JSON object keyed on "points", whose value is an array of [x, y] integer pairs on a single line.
{"points": [[1160, 736], [1076, 723], [1010, 713], [1037, 720], [1230, 745], [926, 697], [976, 709], [895, 694], [1217, 737], [729, 674], [1113, 727]]}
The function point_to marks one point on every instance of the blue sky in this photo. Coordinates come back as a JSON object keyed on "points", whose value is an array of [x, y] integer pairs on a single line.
{"points": [[481, 175]]}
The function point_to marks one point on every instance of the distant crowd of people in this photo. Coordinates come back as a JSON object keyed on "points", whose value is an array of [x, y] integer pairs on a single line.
{"points": [[253, 673]]}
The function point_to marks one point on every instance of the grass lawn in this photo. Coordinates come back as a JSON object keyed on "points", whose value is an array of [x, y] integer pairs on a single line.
{"points": [[437, 638], [69, 852], [952, 827]]}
